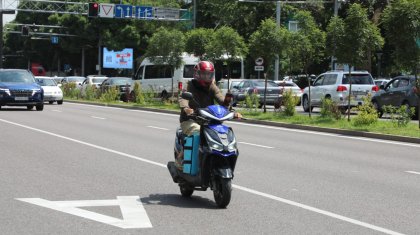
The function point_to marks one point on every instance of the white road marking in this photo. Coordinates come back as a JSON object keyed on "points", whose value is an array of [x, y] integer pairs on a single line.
{"points": [[267, 127], [56, 110], [413, 172], [257, 145], [289, 202], [159, 128], [319, 211], [98, 117], [132, 210]]}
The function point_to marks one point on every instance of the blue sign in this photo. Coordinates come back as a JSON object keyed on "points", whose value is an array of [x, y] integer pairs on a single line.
{"points": [[123, 11], [144, 12], [54, 39]]}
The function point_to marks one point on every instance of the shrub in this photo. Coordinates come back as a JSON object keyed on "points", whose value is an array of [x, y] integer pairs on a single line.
{"points": [[251, 103], [399, 116], [110, 95], [138, 94], [330, 109], [70, 90], [90, 92], [367, 113], [289, 101]]}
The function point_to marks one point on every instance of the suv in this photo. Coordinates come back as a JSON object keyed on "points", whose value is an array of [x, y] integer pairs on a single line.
{"points": [[399, 91], [335, 85], [18, 88]]}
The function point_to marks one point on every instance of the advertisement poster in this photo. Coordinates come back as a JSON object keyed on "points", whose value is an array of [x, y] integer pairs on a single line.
{"points": [[118, 59]]}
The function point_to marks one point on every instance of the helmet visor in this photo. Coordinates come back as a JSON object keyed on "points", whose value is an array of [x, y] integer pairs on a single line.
{"points": [[206, 75]]}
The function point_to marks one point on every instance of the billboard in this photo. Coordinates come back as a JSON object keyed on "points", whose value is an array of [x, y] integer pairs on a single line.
{"points": [[118, 59]]}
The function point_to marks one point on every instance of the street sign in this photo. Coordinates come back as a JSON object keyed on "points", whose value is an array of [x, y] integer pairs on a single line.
{"points": [[166, 13], [259, 61], [144, 12], [106, 10], [259, 68], [123, 11], [133, 213], [54, 39]]}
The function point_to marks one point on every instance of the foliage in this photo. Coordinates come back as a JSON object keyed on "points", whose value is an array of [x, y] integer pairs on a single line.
{"points": [[226, 42], [367, 114], [70, 90], [251, 103], [399, 116], [308, 42], [110, 95], [138, 94], [196, 41], [330, 109], [401, 20], [90, 92], [289, 101]]}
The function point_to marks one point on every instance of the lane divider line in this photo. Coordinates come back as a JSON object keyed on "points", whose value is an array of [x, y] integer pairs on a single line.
{"points": [[56, 110], [101, 118], [159, 128], [256, 145], [413, 172], [255, 192]]}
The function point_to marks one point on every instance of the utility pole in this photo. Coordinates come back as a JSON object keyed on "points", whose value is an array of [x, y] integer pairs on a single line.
{"points": [[194, 14], [335, 14], [277, 62]]}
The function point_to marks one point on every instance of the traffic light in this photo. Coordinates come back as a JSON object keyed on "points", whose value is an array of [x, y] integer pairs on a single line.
{"points": [[93, 9], [25, 30]]}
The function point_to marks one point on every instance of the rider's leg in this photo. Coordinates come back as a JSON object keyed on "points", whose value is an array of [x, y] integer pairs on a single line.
{"points": [[188, 127]]}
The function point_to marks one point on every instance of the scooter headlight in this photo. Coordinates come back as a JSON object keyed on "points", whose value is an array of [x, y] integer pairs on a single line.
{"points": [[213, 144], [232, 146]]}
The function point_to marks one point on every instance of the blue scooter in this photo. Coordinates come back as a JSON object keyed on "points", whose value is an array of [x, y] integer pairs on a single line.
{"points": [[209, 157]]}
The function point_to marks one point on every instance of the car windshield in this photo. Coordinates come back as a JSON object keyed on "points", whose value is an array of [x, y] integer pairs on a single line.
{"points": [[16, 77], [76, 79], [98, 80], [120, 81], [358, 79], [262, 83], [45, 82]]}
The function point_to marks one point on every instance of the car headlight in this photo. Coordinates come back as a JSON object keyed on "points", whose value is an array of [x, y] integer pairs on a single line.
{"points": [[35, 91], [5, 90], [213, 144]]}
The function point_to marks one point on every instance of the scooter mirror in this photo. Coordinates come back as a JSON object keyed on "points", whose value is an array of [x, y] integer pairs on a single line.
{"points": [[240, 97], [187, 95]]}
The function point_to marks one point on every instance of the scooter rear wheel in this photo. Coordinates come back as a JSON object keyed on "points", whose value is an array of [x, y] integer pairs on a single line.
{"points": [[186, 191], [222, 192]]}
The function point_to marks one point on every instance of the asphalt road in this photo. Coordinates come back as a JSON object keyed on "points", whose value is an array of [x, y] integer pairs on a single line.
{"points": [[63, 169]]}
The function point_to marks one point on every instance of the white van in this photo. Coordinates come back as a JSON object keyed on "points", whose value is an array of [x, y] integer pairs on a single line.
{"points": [[158, 77]]}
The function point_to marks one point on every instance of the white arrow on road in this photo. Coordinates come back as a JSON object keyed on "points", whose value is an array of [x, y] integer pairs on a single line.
{"points": [[132, 210]]}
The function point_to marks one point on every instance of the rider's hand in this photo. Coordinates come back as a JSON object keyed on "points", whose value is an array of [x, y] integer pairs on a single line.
{"points": [[188, 111], [237, 115]]}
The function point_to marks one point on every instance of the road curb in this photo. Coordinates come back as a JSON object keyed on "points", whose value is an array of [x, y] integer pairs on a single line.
{"points": [[279, 124]]}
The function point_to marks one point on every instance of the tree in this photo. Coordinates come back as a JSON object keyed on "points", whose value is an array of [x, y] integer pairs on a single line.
{"points": [[352, 45], [196, 41], [401, 21], [308, 45], [166, 47]]}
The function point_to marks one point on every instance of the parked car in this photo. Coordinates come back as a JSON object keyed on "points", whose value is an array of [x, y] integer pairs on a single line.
{"points": [[399, 91], [18, 88], [257, 87], [381, 81], [223, 84], [52, 91], [122, 83], [289, 85], [78, 80], [92, 80], [334, 85]]}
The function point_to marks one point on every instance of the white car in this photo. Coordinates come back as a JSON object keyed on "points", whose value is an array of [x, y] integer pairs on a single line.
{"points": [[52, 91], [92, 80], [335, 85], [289, 85]]}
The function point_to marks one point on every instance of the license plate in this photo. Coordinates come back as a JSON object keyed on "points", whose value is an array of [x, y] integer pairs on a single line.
{"points": [[21, 98]]}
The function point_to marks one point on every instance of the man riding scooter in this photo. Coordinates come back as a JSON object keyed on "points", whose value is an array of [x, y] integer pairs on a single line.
{"points": [[205, 92]]}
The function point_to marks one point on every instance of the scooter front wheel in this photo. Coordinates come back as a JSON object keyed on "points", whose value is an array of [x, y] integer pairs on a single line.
{"points": [[222, 192], [186, 191]]}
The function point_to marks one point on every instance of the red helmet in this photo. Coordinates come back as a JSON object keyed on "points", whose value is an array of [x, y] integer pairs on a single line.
{"points": [[204, 73]]}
